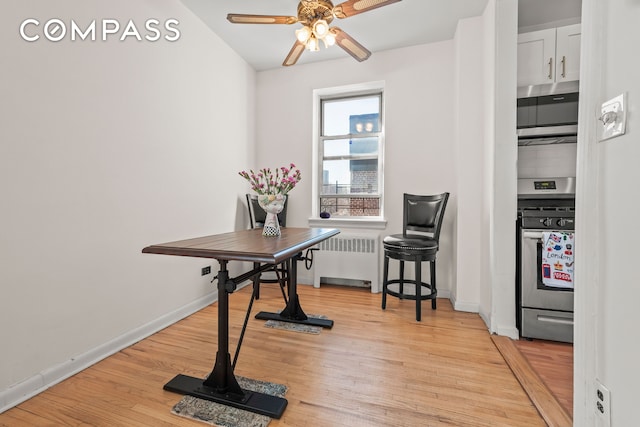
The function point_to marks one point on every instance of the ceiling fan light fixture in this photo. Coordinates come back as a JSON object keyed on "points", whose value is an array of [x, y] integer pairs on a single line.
{"points": [[320, 28], [315, 17], [313, 44], [303, 34], [329, 39]]}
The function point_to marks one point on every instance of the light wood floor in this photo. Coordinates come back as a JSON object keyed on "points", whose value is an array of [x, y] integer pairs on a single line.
{"points": [[373, 368], [553, 362], [548, 405]]}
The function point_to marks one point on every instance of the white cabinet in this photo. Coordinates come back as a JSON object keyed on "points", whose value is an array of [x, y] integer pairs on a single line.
{"points": [[549, 56], [568, 53]]}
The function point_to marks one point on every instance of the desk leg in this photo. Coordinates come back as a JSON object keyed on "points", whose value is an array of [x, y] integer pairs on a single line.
{"points": [[221, 385], [293, 312]]}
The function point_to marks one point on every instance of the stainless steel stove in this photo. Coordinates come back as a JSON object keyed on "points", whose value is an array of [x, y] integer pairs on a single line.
{"points": [[546, 211]]}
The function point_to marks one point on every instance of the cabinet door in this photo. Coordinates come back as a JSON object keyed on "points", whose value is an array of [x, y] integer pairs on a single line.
{"points": [[536, 57], [568, 53]]}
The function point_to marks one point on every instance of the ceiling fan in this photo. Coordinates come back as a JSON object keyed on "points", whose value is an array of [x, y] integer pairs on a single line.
{"points": [[315, 17]]}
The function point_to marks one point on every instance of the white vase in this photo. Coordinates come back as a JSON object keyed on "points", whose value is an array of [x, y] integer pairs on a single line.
{"points": [[272, 205]]}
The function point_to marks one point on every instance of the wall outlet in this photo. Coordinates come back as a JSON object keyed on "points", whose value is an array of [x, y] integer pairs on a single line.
{"points": [[602, 403], [206, 270]]}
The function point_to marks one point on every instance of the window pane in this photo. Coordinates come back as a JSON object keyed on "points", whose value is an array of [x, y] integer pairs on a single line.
{"points": [[351, 116], [350, 145], [350, 176], [350, 206], [347, 147]]}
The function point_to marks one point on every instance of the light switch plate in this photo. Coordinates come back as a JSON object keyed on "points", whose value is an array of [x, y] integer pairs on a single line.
{"points": [[614, 117]]}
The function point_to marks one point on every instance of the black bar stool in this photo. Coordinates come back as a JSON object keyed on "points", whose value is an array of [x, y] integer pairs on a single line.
{"points": [[423, 214]]}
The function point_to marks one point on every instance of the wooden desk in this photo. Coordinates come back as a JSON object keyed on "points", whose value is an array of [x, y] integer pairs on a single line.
{"points": [[247, 245]]}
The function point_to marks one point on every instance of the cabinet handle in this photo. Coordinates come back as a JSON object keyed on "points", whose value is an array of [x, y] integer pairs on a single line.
{"points": [[564, 67], [550, 68]]}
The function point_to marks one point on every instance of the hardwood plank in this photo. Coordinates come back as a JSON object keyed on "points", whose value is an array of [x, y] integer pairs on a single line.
{"points": [[553, 362], [546, 403], [373, 368]]}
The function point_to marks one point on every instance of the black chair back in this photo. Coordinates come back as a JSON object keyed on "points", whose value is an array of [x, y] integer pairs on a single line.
{"points": [[424, 213], [257, 215]]}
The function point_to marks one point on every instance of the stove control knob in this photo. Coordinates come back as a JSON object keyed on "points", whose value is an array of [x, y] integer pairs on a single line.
{"points": [[546, 222], [561, 222]]}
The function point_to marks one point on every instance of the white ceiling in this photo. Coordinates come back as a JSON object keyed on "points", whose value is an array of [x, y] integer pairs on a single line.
{"points": [[406, 23]]}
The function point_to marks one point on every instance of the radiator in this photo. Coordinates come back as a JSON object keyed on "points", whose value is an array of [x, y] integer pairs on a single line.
{"points": [[349, 260]]}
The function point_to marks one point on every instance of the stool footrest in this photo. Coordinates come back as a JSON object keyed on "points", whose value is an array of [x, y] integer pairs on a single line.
{"points": [[402, 295]]}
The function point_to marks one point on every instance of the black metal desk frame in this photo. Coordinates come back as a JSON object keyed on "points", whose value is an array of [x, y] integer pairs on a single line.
{"points": [[221, 385], [293, 312]]}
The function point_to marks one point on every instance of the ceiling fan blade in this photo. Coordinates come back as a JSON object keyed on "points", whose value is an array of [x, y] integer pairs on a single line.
{"points": [[239, 18], [354, 7], [350, 45], [294, 54]]}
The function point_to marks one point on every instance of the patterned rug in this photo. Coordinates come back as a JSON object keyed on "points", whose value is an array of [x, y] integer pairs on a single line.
{"points": [[226, 416], [297, 327]]}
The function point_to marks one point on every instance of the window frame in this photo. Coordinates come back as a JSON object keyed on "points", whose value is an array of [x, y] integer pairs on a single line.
{"points": [[336, 93]]}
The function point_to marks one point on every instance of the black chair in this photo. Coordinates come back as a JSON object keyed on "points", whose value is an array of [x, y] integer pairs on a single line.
{"points": [[257, 217], [422, 214]]}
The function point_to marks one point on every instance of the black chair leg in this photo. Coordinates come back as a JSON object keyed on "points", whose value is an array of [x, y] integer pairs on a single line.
{"points": [[401, 285], [385, 279], [418, 289], [432, 265]]}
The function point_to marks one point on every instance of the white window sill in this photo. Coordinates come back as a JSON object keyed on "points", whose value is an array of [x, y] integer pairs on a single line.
{"points": [[370, 223]]}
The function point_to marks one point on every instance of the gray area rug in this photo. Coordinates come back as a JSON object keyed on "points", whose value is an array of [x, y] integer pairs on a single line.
{"points": [[297, 327], [226, 416]]}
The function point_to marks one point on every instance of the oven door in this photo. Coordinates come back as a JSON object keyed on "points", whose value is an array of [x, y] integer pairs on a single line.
{"points": [[534, 293]]}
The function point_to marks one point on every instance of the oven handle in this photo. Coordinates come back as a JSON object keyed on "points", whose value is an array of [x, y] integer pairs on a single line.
{"points": [[532, 235], [557, 320]]}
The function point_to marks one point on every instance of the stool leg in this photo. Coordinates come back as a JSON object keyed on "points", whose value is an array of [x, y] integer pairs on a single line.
{"points": [[385, 276], [401, 284], [385, 279], [418, 289], [433, 283]]}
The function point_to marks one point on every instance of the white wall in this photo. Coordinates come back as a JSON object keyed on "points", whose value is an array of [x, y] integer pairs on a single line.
{"points": [[470, 167], [606, 347], [486, 165], [420, 150], [501, 192], [106, 147]]}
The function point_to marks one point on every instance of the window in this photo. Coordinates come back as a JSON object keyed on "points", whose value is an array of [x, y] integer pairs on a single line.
{"points": [[349, 151]]}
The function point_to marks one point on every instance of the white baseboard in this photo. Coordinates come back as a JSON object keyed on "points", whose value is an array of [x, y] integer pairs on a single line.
{"points": [[487, 320], [30, 387], [511, 332], [465, 306], [444, 293]]}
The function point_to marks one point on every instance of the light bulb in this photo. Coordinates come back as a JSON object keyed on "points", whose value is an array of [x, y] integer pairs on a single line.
{"points": [[303, 34], [320, 28], [312, 44], [329, 39]]}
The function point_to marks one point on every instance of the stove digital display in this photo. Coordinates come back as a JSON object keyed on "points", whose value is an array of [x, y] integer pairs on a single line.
{"points": [[544, 185]]}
